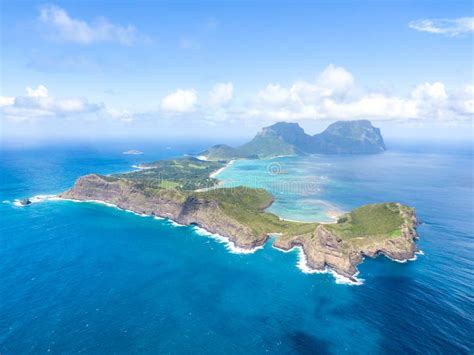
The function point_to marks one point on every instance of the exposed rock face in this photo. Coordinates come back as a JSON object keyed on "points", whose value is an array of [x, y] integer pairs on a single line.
{"points": [[323, 247], [125, 195], [208, 215], [172, 204], [25, 202]]}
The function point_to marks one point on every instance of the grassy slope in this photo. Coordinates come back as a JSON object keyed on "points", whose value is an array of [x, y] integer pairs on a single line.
{"points": [[371, 222], [377, 221], [247, 206]]}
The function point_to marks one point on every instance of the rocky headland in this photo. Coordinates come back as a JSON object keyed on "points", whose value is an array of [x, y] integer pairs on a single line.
{"points": [[239, 215]]}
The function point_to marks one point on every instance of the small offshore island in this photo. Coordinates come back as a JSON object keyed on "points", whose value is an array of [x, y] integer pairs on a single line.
{"points": [[186, 191]]}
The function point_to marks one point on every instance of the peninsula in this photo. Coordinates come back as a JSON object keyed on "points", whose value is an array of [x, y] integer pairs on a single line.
{"points": [[184, 191]]}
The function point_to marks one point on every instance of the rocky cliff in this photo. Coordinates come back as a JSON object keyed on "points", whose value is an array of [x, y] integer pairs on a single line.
{"points": [[184, 208], [239, 215], [327, 248]]}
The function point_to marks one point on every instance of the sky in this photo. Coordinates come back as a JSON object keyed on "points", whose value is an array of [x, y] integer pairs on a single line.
{"points": [[118, 69]]}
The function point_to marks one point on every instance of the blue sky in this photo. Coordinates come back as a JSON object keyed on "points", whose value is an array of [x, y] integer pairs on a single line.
{"points": [[145, 68]]}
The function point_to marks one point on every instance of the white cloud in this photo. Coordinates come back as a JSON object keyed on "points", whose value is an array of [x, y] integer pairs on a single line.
{"points": [[221, 94], [6, 101], [40, 91], [374, 106], [463, 102], [447, 27], [431, 92], [38, 104], [431, 100], [274, 94], [180, 101], [58, 25], [334, 95], [335, 80], [332, 81]]}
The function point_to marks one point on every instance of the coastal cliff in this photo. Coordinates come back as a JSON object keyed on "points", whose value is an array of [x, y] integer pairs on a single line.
{"points": [[181, 207], [239, 215], [327, 246]]}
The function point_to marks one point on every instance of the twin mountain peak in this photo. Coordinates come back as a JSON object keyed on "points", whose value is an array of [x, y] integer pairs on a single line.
{"points": [[284, 138]]}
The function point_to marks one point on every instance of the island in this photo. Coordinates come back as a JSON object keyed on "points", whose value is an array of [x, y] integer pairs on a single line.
{"points": [[284, 138], [186, 191], [132, 152]]}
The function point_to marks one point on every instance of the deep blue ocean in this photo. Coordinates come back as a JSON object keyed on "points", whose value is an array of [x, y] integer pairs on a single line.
{"points": [[87, 278]]}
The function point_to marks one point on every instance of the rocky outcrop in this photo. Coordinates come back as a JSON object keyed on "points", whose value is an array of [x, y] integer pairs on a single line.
{"points": [[324, 248], [172, 204], [25, 202], [208, 215], [126, 195]]}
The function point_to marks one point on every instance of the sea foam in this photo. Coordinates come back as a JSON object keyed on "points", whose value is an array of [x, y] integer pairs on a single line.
{"points": [[229, 245], [302, 264], [35, 199]]}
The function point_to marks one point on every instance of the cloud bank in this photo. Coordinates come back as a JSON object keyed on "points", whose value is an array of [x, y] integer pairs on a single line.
{"points": [[447, 27], [332, 95], [38, 104]]}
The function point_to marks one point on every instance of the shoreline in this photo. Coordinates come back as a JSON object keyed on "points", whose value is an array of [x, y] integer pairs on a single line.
{"points": [[229, 245], [304, 267], [220, 170]]}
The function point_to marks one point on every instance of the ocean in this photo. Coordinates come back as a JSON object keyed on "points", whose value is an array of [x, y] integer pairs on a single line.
{"points": [[87, 278]]}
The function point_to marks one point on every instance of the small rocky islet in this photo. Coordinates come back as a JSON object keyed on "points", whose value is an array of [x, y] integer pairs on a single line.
{"points": [[183, 190]]}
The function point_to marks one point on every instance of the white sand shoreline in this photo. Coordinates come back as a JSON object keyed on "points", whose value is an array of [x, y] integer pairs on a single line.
{"points": [[220, 170]]}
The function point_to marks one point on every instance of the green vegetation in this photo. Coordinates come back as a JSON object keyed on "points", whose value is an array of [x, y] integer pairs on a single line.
{"points": [[247, 206], [262, 146], [223, 151], [283, 138], [384, 219], [185, 174], [183, 178], [166, 184]]}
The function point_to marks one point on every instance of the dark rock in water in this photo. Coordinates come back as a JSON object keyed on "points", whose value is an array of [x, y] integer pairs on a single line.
{"points": [[25, 202]]}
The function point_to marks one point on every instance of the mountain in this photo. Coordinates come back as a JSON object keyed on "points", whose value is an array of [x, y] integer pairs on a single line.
{"points": [[284, 138]]}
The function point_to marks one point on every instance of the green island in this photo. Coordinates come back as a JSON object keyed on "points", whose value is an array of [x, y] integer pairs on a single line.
{"points": [[184, 190]]}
